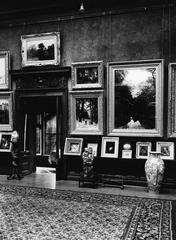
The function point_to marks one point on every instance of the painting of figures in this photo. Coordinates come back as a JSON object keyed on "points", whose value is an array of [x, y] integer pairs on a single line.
{"points": [[135, 98], [87, 113]]}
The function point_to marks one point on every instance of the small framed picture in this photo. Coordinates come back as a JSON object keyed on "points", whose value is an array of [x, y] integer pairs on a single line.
{"points": [[126, 153], [143, 149], [40, 49], [5, 142], [94, 147], [87, 74], [166, 149], [73, 146], [110, 147]]}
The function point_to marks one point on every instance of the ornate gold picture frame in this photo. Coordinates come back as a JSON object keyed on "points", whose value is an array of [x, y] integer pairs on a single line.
{"points": [[135, 98], [40, 49]]}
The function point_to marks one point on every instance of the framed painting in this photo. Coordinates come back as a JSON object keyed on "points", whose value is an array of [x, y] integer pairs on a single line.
{"points": [[40, 49], [94, 147], [5, 142], [135, 98], [73, 146], [4, 70], [172, 101], [86, 112], [166, 149], [110, 147], [126, 153], [143, 149], [87, 74], [6, 122]]}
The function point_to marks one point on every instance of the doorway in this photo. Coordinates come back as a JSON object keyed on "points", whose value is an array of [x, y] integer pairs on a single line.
{"points": [[41, 118]]}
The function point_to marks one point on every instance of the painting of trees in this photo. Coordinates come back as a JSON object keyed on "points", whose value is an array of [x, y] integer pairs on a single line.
{"points": [[4, 112], [87, 112], [135, 98], [40, 52]]}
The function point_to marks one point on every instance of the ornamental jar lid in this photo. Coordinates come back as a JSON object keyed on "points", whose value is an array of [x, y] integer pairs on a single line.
{"points": [[127, 146]]}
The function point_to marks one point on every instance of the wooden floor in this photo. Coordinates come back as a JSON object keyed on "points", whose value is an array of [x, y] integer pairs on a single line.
{"points": [[47, 179]]}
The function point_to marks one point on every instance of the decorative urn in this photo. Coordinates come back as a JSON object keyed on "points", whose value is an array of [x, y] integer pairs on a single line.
{"points": [[154, 170]]}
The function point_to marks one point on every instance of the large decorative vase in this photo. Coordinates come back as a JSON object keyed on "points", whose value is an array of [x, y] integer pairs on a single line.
{"points": [[154, 170]]}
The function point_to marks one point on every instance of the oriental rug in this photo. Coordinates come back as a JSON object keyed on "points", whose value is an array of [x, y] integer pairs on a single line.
{"points": [[29, 213]]}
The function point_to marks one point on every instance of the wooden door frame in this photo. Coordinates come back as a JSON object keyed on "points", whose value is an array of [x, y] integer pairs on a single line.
{"points": [[61, 100]]}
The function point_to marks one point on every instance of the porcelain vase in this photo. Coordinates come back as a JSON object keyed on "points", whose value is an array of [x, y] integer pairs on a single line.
{"points": [[154, 170]]}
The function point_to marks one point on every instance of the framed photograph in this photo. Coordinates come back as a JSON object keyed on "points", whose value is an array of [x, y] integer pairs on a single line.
{"points": [[166, 149], [40, 49], [126, 153], [5, 142], [73, 146], [86, 112], [6, 122], [172, 101], [94, 147], [87, 74], [110, 147], [4, 70], [135, 98], [143, 149]]}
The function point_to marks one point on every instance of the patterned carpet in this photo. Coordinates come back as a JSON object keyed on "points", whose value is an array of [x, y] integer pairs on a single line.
{"points": [[28, 213]]}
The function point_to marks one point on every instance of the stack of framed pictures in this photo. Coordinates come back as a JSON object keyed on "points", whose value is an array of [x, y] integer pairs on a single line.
{"points": [[86, 98], [167, 149], [134, 105]]}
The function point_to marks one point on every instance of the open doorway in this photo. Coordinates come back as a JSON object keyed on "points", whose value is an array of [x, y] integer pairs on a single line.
{"points": [[46, 140], [41, 116]]}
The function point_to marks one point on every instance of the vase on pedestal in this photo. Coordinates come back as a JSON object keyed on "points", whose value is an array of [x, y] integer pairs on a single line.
{"points": [[154, 171]]}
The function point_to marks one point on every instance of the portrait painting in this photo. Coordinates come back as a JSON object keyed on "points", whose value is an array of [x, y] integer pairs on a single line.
{"points": [[143, 149], [166, 149]]}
